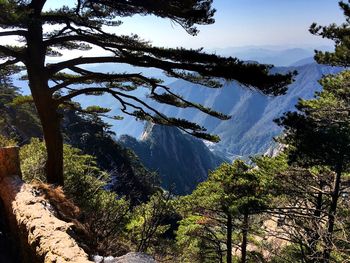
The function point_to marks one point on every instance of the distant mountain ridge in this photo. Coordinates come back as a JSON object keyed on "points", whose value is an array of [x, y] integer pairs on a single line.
{"points": [[303, 62], [251, 128], [286, 56], [278, 56]]}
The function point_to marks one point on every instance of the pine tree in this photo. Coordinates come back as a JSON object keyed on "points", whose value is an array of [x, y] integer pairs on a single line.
{"points": [[224, 204], [85, 24], [340, 34], [320, 132]]}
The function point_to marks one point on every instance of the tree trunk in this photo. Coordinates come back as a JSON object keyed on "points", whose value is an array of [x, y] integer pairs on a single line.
{"points": [[54, 148], [51, 122], [221, 256], [42, 96], [229, 239], [331, 215], [313, 252], [244, 238]]}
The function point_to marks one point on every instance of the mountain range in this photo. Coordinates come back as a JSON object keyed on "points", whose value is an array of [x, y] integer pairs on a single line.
{"points": [[276, 55], [281, 56], [251, 128], [184, 161]]}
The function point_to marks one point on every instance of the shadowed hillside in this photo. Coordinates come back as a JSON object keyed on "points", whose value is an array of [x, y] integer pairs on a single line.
{"points": [[181, 160]]}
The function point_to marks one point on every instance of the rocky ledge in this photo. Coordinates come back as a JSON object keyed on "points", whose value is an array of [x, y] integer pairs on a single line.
{"points": [[41, 219]]}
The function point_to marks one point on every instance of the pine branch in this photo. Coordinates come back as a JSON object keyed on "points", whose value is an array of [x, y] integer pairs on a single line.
{"points": [[10, 52], [9, 63], [14, 33], [93, 77]]}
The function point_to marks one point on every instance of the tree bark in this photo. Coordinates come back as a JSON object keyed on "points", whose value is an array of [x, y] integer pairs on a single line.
{"points": [[229, 239], [54, 148], [51, 122], [244, 238], [331, 215], [42, 96], [315, 236]]}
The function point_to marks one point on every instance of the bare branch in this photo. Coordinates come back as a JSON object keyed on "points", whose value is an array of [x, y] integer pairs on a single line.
{"points": [[10, 52], [14, 33], [9, 63]]}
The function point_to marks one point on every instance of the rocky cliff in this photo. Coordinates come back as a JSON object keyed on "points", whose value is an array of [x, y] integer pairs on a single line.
{"points": [[181, 160], [38, 234]]}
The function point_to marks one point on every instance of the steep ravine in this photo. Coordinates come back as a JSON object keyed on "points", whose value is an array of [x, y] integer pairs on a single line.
{"points": [[181, 160]]}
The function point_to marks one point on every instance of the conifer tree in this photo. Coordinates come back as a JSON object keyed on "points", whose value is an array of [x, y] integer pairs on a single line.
{"points": [[84, 24], [319, 134], [227, 201], [340, 34]]}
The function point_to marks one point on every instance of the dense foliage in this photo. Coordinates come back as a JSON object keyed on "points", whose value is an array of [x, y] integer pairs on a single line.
{"points": [[220, 207], [18, 120], [104, 213]]}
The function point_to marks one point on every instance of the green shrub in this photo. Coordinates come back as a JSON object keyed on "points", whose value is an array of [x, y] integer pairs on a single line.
{"points": [[5, 142], [104, 213], [33, 158]]}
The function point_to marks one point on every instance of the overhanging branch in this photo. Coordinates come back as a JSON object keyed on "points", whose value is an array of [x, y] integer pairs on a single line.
{"points": [[9, 63], [14, 33], [10, 52]]}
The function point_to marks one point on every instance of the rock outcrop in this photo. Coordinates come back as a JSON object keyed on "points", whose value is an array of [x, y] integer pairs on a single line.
{"points": [[39, 234], [181, 160], [133, 257], [9, 162], [32, 212]]}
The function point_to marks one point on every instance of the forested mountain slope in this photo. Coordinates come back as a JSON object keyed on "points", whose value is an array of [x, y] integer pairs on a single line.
{"points": [[181, 160]]}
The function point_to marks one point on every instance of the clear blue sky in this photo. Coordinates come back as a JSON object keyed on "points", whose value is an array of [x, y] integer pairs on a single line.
{"points": [[242, 23], [246, 22]]}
